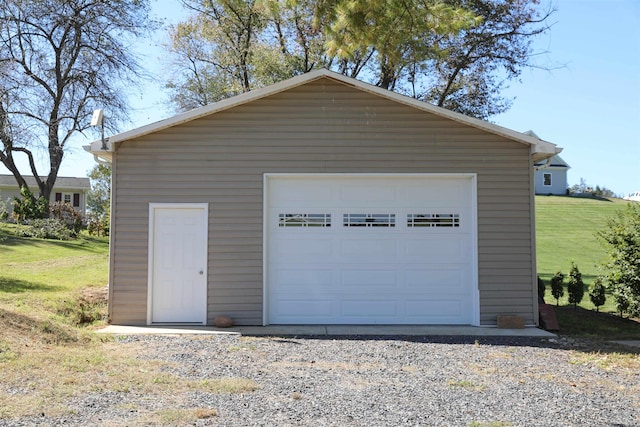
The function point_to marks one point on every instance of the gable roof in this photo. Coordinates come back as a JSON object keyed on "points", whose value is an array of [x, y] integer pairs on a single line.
{"points": [[555, 161], [62, 182], [540, 149]]}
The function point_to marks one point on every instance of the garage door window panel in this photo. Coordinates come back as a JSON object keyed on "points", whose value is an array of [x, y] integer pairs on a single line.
{"points": [[369, 220], [433, 220], [304, 220]]}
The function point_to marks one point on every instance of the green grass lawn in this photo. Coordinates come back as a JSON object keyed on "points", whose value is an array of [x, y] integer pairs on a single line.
{"points": [[566, 230], [38, 276]]}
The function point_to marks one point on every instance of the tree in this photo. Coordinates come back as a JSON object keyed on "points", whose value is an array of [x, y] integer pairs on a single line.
{"points": [[556, 286], [60, 60], [99, 198], [454, 53], [479, 61], [575, 287], [583, 187], [621, 239], [390, 34], [228, 47], [597, 293]]}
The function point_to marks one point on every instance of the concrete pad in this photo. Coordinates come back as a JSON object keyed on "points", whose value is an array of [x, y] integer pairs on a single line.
{"points": [[282, 330], [172, 330], [332, 330]]}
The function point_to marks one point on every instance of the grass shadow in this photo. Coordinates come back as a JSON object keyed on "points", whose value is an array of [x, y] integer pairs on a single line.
{"points": [[11, 285], [84, 242], [19, 327], [7, 240], [584, 323]]}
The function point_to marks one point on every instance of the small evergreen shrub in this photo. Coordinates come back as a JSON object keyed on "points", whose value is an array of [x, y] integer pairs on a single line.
{"points": [[597, 293], [623, 302], [556, 286], [575, 287], [541, 289], [48, 228]]}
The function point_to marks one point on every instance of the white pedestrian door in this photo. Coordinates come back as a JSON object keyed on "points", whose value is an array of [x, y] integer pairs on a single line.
{"points": [[178, 260]]}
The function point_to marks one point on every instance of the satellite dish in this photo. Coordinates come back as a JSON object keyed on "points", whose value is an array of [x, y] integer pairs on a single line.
{"points": [[96, 119]]}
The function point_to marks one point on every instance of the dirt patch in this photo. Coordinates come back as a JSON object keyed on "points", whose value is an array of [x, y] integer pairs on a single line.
{"points": [[95, 295]]}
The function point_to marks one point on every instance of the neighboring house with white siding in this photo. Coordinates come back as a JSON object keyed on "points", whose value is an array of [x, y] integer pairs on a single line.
{"points": [[550, 174], [67, 190], [322, 200]]}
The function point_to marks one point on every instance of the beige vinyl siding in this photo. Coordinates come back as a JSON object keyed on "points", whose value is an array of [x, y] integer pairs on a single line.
{"points": [[320, 127]]}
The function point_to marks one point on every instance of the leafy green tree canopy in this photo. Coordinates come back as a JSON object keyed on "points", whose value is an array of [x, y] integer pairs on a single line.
{"points": [[393, 33], [99, 197], [454, 53], [622, 241]]}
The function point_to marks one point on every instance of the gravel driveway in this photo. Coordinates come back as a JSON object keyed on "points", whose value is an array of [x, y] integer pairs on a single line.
{"points": [[370, 381]]}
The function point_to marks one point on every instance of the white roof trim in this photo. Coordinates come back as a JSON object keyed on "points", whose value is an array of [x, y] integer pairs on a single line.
{"points": [[540, 149]]}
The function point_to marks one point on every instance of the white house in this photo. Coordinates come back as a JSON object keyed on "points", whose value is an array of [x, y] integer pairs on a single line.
{"points": [[550, 174], [67, 189]]}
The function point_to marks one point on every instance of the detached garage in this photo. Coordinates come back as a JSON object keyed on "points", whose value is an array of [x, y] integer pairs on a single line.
{"points": [[322, 200]]}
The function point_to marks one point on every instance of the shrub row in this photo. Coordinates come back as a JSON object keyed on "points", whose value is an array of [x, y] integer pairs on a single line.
{"points": [[576, 289]]}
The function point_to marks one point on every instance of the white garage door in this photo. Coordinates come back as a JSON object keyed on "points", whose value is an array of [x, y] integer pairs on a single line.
{"points": [[355, 249]]}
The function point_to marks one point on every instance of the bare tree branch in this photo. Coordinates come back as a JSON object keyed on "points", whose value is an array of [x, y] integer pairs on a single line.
{"points": [[59, 60]]}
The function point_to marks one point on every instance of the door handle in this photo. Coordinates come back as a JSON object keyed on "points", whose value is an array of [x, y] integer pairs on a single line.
{"points": [[201, 272]]}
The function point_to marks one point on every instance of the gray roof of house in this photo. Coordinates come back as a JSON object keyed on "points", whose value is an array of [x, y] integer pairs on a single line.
{"points": [[556, 161], [61, 182]]}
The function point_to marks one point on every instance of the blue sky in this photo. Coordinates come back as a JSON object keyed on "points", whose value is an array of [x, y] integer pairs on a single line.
{"points": [[589, 104]]}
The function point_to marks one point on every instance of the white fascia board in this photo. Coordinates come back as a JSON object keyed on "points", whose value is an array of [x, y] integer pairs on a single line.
{"points": [[544, 150], [99, 154]]}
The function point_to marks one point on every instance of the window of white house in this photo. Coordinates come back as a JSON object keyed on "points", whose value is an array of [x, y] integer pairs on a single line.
{"points": [[547, 179], [66, 198]]}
